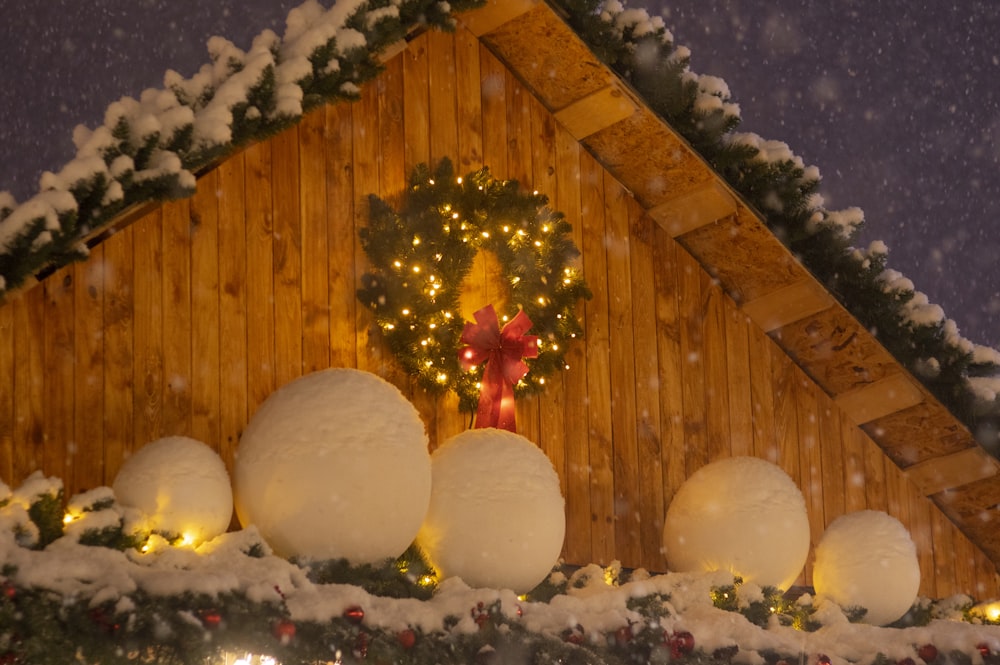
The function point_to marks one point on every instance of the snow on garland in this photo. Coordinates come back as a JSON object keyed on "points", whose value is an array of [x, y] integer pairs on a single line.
{"points": [[420, 256], [89, 586], [963, 375], [148, 150]]}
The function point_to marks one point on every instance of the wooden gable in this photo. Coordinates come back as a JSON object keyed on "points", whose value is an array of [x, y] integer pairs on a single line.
{"points": [[704, 339]]}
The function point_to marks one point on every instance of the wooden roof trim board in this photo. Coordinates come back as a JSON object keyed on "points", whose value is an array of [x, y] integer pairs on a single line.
{"points": [[715, 225]]}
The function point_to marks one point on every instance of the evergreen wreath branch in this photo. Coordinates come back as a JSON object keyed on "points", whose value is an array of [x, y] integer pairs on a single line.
{"points": [[420, 256]]}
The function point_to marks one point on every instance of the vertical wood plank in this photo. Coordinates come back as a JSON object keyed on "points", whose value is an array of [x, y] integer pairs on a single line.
{"points": [[965, 563], [443, 104], [287, 246], [551, 434], [494, 103], [647, 404], [417, 150], [315, 242], [259, 206], [29, 386], [519, 164], [809, 474], [366, 181], [854, 466], [602, 497], [785, 377], [177, 318], [7, 393], [738, 381], [148, 330], [875, 468], [944, 556], [469, 101], [765, 445], [416, 108], [340, 234], [625, 447], [59, 340], [692, 365], [717, 427], [119, 385], [232, 306], [205, 342], [666, 285], [577, 545], [832, 454], [88, 310], [922, 534]]}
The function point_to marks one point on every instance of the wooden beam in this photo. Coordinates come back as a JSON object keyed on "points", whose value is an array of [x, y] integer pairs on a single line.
{"points": [[493, 14], [880, 398], [954, 470], [709, 203], [788, 304], [597, 111]]}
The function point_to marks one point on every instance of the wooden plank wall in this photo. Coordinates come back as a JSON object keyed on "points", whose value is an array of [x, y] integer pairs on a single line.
{"points": [[185, 321]]}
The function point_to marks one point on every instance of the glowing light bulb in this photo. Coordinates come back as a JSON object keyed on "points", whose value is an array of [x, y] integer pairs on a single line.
{"points": [[406, 312], [416, 268], [397, 264], [506, 229], [67, 518], [538, 243], [187, 539], [390, 326], [454, 215], [416, 240], [486, 234], [430, 181], [459, 180], [541, 301], [442, 377], [447, 315]]}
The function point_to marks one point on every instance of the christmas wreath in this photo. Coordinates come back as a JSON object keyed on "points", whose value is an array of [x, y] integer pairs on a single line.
{"points": [[420, 256]]}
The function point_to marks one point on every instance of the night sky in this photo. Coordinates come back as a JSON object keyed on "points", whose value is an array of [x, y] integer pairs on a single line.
{"points": [[895, 101]]}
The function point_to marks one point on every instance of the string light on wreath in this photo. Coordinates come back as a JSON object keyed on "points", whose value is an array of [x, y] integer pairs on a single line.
{"points": [[420, 256]]}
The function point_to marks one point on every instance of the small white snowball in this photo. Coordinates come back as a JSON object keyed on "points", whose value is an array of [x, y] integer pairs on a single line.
{"points": [[740, 514], [497, 517], [181, 485], [334, 465], [867, 559]]}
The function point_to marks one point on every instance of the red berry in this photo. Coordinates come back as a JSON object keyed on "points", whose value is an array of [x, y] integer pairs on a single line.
{"points": [[984, 649], [9, 590], [681, 644], [928, 653], [823, 659], [211, 619], [284, 630], [354, 614], [407, 638], [623, 635], [573, 635]]}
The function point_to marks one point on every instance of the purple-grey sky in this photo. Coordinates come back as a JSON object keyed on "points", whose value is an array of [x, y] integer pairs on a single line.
{"points": [[896, 102]]}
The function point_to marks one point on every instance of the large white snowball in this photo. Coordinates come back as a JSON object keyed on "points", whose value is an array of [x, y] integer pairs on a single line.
{"points": [[740, 514], [181, 485], [497, 517], [867, 559], [335, 465]]}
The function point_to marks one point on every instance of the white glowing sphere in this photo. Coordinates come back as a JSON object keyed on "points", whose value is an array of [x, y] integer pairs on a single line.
{"points": [[334, 465], [180, 485], [740, 514], [497, 517], [867, 559]]}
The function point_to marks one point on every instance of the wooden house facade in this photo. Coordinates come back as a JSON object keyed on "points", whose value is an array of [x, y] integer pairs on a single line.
{"points": [[704, 338]]}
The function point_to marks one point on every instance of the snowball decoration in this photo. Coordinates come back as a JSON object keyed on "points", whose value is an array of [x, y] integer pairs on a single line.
{"points": [[740, 514], [496, 517], [867, 559], [180, 485], [334, 465]]}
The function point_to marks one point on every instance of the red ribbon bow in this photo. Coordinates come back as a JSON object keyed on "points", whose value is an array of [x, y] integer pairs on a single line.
{"points": [[502, 351]]}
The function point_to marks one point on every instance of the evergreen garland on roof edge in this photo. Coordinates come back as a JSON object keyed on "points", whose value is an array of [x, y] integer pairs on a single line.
{"points": [[130, 160]]}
